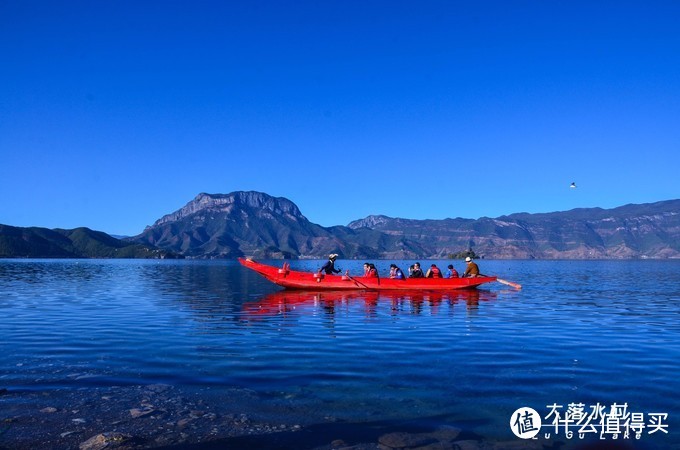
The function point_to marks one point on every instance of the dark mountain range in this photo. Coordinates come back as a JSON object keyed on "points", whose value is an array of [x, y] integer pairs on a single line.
{"points": [[258, 225], [37, 242], [632, 231]]}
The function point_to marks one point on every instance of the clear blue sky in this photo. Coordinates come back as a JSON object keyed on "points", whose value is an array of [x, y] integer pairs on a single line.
{"points": [[114, 113]]}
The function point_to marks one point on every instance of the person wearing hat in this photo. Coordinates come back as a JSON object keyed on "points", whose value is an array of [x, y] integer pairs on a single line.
{"points": [[472, 270], [329, 267]]}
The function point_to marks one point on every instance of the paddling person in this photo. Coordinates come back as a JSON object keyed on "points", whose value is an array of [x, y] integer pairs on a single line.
{"points": [[417, 272], [396, 272], [451, 272], [472, 270], [329, 267], [433, 272]]}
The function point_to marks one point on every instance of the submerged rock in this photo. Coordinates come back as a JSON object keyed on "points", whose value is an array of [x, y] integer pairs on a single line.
{"points": [[405, 440], [105, 440], [141, 412]]}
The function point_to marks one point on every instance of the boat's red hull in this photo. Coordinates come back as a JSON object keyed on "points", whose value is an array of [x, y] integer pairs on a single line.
{"points": [[292, 279]]}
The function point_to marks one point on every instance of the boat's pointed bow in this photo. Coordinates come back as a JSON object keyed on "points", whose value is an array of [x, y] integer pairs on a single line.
{"points": [[266, 271], [251, 264]]}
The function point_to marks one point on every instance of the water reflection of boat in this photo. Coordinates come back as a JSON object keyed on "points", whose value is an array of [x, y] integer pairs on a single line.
{"points": [[294, 279], [287, 301]]}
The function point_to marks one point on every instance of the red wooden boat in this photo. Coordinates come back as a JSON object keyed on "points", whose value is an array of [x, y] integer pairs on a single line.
{"points": [[293, 279]]}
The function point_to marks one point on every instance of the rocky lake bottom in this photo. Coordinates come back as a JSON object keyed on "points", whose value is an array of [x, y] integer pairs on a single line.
{"points": [[164, 417]]}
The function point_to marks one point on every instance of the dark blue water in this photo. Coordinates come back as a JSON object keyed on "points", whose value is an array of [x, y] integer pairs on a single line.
{"points": [[578, 332]]}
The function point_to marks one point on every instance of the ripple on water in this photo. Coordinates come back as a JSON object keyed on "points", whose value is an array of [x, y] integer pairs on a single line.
{"points": [[578, 331]]}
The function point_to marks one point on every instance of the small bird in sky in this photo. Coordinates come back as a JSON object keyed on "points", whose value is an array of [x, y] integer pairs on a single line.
{"points": [[573, 185]]}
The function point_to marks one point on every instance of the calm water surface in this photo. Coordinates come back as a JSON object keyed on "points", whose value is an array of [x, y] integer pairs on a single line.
{"points": [[578, 332]]}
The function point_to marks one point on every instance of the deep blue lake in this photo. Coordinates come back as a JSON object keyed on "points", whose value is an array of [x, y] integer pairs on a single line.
{"points": [[590, 332]]}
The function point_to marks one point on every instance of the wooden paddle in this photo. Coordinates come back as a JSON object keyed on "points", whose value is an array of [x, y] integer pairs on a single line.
{"points": [[509, 283], [357, 282]]}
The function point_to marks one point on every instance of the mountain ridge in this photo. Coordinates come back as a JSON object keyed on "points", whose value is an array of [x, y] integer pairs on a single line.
{"points": [[82, 242], [255, 224], [224, 202], [250, 223]]}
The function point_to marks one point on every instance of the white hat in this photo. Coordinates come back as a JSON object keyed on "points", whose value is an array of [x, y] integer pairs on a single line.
{"points": [[332, 256], [468, 259]]}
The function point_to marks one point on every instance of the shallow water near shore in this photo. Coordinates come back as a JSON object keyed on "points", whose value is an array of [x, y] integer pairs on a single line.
{"points": [[591, 332]]}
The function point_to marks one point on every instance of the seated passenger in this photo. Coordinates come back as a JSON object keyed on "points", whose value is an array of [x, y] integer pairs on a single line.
{"points": [[451, 273], [472, 269], [396, 272], [433, 272], [417, 272], [370, 270]]}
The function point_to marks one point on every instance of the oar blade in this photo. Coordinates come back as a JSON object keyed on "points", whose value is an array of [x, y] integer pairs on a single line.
{"points": [[509, 283]]}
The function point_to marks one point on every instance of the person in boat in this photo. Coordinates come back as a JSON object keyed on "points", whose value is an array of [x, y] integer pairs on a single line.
{"points": [[396, 272], [451, 272], [472, 270], [370, 270], [433, 272], [329, 267], [417, 272]]}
